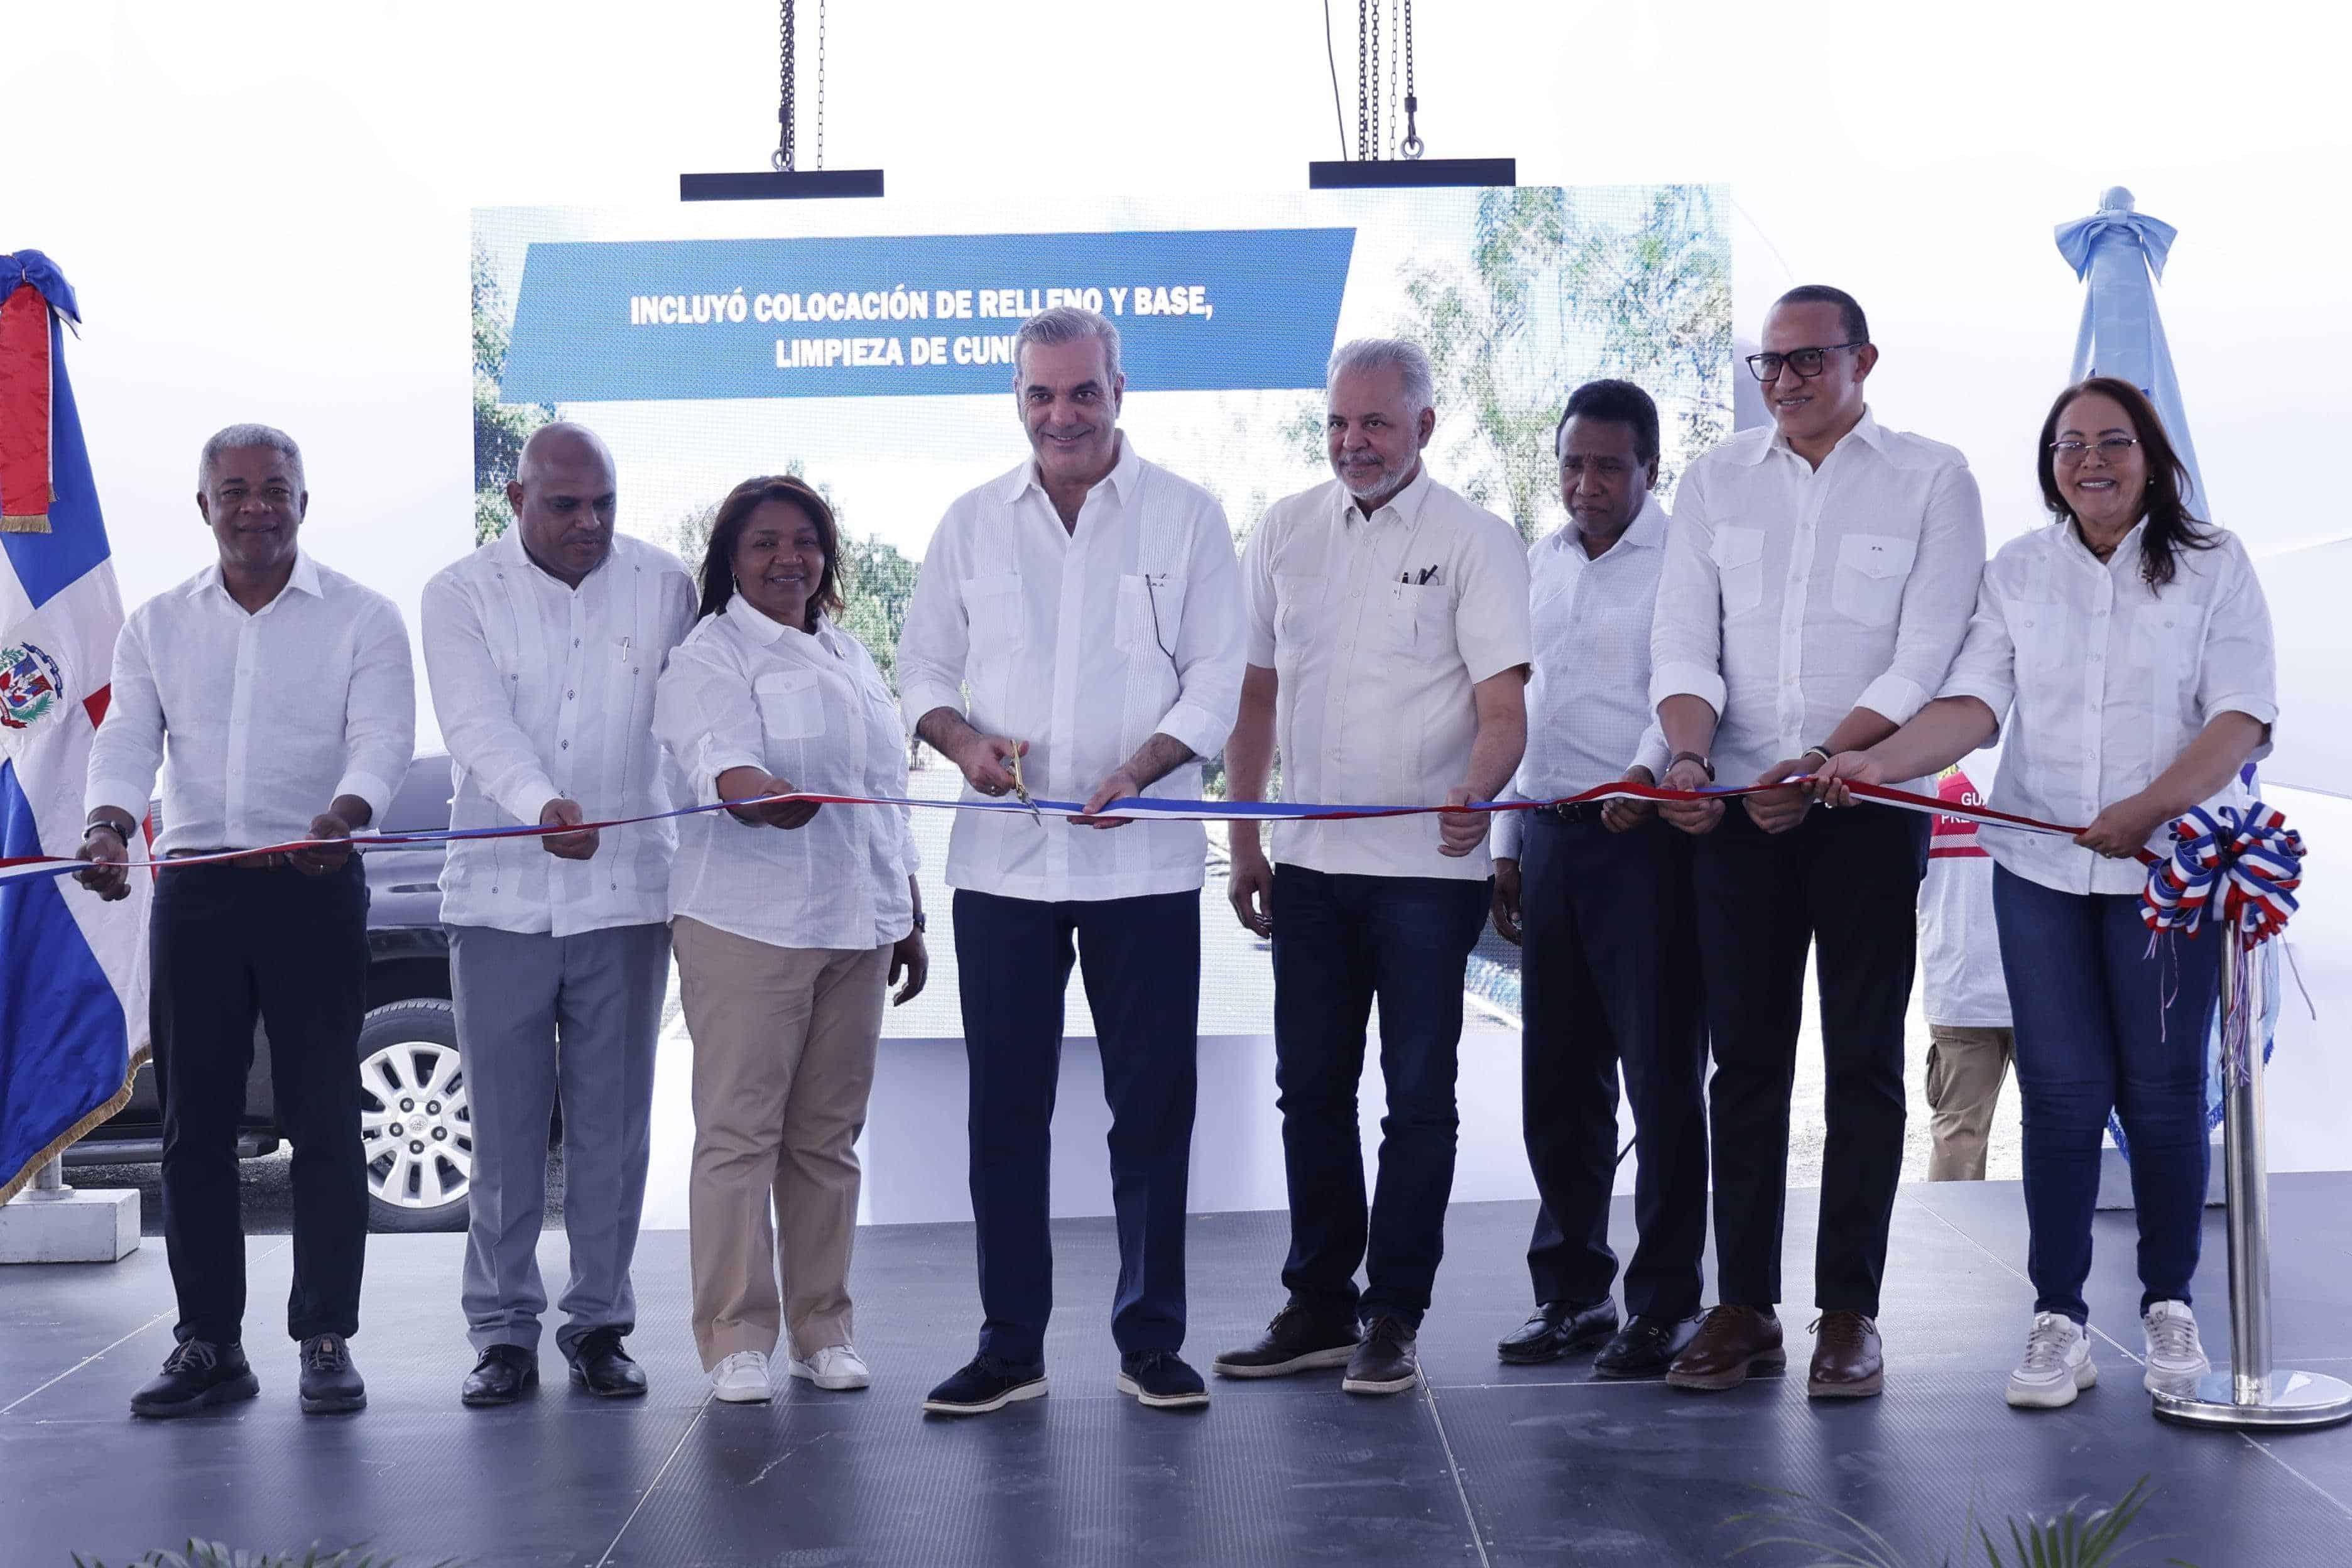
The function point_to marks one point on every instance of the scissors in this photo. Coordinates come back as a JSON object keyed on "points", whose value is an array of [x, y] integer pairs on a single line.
{"points": [[1021, 789]]}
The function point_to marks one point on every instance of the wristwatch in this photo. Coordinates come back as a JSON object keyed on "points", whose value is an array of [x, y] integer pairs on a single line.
{"points": [[1705, 766], [920, 924], [1821, 751], [118, 835]]}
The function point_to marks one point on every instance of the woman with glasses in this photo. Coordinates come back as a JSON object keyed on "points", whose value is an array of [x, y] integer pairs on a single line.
{"points": [[2128, 649], [786, 940]]}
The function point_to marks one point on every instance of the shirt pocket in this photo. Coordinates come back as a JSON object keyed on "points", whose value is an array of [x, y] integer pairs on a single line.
{"points": [[1297, 605], [992, 614], [1738, 556], [1420, 619], [2044, 658], [1150, 609], [1871, 571], [790, 705]]}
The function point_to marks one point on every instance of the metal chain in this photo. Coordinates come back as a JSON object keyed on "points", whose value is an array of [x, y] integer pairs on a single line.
{"points": [[1412, 146], [1392, 80], [1374, 138], [820, 83], [782, 159], [1363, 69]]}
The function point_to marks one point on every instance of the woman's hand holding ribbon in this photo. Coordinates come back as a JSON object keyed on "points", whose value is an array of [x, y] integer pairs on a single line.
{"points": [[2122, 830], [750, 784]]}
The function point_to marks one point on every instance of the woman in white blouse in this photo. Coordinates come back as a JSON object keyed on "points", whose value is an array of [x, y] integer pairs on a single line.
{"points": [[787, 940], [2127, 648]]}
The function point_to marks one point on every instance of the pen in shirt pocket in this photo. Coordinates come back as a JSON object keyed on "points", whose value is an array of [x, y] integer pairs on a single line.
{"points": [[622, 648]]}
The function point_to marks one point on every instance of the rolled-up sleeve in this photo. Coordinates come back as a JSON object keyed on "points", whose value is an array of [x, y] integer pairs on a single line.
{"points": [[1687, 628], [128, 751], [478, 721], [380, 713], [2239, 673], [1490, 612], [1210, 644], [1651, 750], [1938, 598], [1986, 666], [936, 637], [706, 716]]}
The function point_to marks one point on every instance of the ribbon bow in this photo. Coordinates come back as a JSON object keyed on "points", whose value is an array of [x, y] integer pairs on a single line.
{"points": [[2248, 856]]}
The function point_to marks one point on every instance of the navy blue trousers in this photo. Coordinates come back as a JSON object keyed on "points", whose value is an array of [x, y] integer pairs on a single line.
{"points": [[1339, 942], [1140, 960], [1609, 980], [2104, 1023]]}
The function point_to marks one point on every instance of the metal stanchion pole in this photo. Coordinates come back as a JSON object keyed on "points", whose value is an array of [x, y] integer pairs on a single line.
{"points": [[48, 1182], [2252, 1393]]}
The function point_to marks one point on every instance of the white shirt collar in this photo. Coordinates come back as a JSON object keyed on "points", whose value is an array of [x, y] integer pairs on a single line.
{"points": [[511, 545], [1406, 504], [1646, 531], [762, 627], [305, 577], [1867, 430]]}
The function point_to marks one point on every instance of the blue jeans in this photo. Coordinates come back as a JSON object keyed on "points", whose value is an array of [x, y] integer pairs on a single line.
{"points": [[1339, 942], [2102, 1023]]}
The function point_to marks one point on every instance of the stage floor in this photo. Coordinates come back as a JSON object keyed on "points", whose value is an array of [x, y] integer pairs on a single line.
{"points": [[1489, 1464]]}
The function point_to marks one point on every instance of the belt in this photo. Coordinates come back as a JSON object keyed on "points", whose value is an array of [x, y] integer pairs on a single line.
{"points": [[1586, 811], [277, 860]]}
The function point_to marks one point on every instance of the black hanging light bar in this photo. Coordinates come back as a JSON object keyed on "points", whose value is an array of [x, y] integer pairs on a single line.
{"points": [[785, 179], [1368, 170]]}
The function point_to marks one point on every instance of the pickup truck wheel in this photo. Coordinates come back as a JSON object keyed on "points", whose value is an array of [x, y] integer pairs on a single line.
{"points": [[416, 1130]]}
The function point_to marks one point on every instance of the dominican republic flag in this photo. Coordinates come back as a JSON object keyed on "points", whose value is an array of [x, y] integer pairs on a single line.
{"points": [[73, 970]]}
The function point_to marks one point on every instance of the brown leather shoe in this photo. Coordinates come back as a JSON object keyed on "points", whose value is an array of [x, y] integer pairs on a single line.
{"points": [[1732, 1342], [1846, 1361]]}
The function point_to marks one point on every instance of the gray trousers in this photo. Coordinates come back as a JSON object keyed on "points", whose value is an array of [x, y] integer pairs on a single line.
{"points": [[535, 1013]]}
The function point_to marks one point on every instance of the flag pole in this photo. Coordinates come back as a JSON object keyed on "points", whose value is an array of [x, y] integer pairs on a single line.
{"points": [[2252, 1393]]}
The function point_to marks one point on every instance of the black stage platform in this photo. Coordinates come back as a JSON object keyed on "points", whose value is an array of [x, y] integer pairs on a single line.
{"points": [[1490, 1464]]}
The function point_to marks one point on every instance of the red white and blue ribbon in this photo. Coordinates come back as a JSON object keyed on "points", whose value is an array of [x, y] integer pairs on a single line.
{"points": [[1134, 808], [2247, 858]]}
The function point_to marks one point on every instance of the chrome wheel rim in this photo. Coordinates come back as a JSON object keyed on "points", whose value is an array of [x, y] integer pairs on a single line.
{"points": [[416, 1130]]}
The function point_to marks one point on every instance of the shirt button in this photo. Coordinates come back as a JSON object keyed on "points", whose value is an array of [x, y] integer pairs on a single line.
{"points": [[569, 695], [566, 745]]}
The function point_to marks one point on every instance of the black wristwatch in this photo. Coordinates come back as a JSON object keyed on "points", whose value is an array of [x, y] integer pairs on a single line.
{"points": [[920, 924], [1705, 766]]}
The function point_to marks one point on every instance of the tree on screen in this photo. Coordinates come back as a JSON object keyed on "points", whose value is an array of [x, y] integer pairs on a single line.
{"points": [[500, 428], [1557, 290]]}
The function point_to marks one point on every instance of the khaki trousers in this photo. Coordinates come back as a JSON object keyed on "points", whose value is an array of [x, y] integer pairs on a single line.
{"points": [[1965, 1069], [783, 1060]]}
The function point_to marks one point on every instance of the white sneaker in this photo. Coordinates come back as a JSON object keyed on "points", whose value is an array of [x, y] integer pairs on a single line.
{"points": [[2057, 1365], [836, 1367], [2176, 1360], [742, 1379]]}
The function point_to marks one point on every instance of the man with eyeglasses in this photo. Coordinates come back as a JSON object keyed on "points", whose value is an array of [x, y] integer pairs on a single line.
{"points": [[1818, 579], [1599, 895]]}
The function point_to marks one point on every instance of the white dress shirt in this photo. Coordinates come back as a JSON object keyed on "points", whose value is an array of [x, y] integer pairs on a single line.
{"points": [[746, 691], [2102, 682], [1083, 643], [1793, 595], [1376, 629], [257, 722], [1588, 715], [546, 691]]}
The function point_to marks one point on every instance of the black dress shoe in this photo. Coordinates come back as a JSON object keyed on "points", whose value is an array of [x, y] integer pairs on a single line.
{"points": [[504, 1374], [1559, 1328], [1645, 1347], [1297, 1340], [1388, 1362], [1162, 1380], [331, 1383], [601, 1366], [987, 1384], [196, 1375]]}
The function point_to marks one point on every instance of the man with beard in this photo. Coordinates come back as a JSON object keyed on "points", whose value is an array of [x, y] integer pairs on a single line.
{"points": [[1388, 655]]}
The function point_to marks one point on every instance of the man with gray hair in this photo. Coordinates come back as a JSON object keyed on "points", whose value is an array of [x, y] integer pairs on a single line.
{"points": [[276, 699], [1089, 603], [1388, 653]]}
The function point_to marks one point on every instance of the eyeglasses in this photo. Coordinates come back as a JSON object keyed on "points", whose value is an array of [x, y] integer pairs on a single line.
{"points": [[2111, 447], [1807, 363]]}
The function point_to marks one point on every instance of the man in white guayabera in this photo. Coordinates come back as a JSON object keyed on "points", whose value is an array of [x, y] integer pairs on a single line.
{"points": [[1090, 604]]}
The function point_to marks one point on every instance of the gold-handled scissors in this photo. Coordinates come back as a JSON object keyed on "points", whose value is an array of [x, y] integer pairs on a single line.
{"points": [[1021, 789]]}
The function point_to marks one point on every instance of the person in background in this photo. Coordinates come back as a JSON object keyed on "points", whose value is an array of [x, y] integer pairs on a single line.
{"points": [[543, 647], [1600, 897], [1076, 632], [1388, 660], [1819, 578], [1965, 1001], [786, 940], [2127, 650], [276, 698]]}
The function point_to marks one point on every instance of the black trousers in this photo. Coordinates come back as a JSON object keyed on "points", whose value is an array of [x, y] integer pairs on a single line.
{"points": [[226, 945], [1845, 884], [1609, 981], [1140, 960]]}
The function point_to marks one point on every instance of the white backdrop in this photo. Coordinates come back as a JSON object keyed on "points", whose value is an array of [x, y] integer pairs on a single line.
{"points": [[264, 206]]}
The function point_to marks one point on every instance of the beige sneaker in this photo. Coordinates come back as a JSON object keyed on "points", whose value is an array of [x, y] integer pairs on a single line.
{"points": [[742, 1379], [837, 1367]]}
